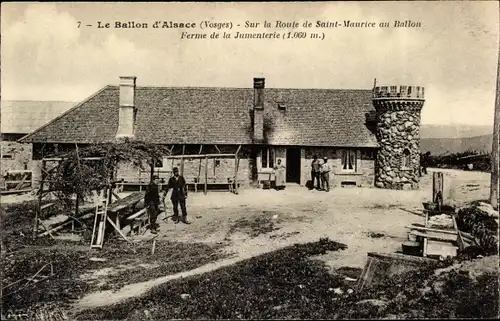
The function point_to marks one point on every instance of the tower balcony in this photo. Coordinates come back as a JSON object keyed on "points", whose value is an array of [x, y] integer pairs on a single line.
{"points": [[398, 93]]}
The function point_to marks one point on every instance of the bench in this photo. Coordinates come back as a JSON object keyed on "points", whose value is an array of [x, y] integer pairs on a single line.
{"points": [[139, 220]]}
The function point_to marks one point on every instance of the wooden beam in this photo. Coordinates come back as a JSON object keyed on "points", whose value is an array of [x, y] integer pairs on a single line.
{"points": [[77, 205], [182, 159], [201, 147], [58, 159], [21, 183], [437, 189], [152, 170], [238, 150], [218, 150], [414, 227], [39, 205], [236, 163], [117, 229], [206, 175], [200, 156], [66, 222]]}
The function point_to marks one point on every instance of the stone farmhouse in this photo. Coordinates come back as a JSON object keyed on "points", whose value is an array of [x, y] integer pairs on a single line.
{"points": [[371, 137]]}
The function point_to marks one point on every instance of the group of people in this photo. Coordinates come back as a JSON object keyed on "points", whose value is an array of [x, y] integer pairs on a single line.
{"points": [[320, 172], [177, 184]]}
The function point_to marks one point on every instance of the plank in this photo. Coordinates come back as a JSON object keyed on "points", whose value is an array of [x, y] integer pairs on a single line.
{"points": [[199, 156], [138, 214], [117, 229], [433, 237], [206, 175], [21, 183], [414, 227], [126, 202], [46, 206], [15, 191]]}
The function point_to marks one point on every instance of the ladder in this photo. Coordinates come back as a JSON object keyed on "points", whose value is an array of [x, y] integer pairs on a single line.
{"points": [[101, 211]]}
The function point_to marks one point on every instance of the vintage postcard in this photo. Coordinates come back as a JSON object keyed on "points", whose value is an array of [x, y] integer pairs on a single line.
{"points": [[249, 160]]}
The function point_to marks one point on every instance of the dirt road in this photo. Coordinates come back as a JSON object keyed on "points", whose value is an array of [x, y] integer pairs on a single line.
{"points": [[365, 219]]}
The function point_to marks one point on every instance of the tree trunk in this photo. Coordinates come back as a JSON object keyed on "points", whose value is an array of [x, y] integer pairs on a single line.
{"points": [[495, 159]]}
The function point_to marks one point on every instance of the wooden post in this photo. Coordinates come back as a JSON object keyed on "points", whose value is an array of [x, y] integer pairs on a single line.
{"points": [[437, 189], [152, 170], [206, 174], [182, 159], [40, 197], [236, 164], [77, 205], [495, 151]]}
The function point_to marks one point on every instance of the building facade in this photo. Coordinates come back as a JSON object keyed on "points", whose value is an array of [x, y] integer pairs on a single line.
{"points": [[371, 137], [19, 118]]}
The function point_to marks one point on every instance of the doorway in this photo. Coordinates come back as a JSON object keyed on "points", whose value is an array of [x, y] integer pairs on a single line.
{"points": [[293, 165]]}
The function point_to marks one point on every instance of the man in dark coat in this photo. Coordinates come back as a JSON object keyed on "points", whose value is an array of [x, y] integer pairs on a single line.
{"points": [[177, 184], [315, 172], [152, 202], [424, 162]]}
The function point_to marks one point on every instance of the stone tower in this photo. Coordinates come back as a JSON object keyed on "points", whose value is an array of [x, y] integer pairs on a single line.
{"points": [[398, 134]]}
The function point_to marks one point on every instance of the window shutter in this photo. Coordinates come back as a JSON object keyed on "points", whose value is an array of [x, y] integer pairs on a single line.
{"points": [[358, 161]]}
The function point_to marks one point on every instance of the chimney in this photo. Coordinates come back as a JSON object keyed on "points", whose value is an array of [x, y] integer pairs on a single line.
{"points": [[126, 118], [258, 110]]}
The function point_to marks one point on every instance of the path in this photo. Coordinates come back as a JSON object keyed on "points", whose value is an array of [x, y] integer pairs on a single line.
{"points": [[109, 297]]}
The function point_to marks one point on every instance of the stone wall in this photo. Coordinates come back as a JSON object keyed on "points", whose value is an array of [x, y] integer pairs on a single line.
{"points": [[398, 159], [15, 156], [218, 169]]}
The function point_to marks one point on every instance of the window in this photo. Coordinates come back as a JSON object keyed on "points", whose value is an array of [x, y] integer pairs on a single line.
{"points": [[348, 160], [158, 163], [7, 156], [406, 158], [267, 158]]}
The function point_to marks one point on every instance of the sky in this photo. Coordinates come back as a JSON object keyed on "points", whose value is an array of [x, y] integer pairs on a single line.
{"points": [[45, 56]]}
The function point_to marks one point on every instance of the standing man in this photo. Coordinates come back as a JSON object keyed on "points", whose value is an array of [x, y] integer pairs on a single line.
{"points": [[152, 202], [425, 162], [178, 186], [315, 172], [325, 174]]}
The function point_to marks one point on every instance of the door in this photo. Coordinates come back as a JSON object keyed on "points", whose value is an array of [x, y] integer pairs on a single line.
{"points": [[293, 165]]}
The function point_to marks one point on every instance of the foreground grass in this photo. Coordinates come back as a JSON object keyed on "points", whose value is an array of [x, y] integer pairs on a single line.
{"points": [[71, 261], [282, 284], [285, 284]]}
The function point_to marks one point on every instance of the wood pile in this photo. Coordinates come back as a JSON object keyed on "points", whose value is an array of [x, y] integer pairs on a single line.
{"points": [[481, 226]]}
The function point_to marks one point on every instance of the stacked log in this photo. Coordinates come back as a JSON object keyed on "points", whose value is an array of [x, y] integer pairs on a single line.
{"points": [[481, 226]]}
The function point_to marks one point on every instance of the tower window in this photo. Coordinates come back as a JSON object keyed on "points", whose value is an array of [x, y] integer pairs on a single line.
{"points": [[348, 160], [406, 158]]}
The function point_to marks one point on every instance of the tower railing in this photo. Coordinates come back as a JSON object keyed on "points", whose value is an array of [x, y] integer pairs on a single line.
{"points": [[401, 92]]}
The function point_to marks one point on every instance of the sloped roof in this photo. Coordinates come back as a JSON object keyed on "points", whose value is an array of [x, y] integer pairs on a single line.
{"points": [[170, 115], [25, 116]]}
